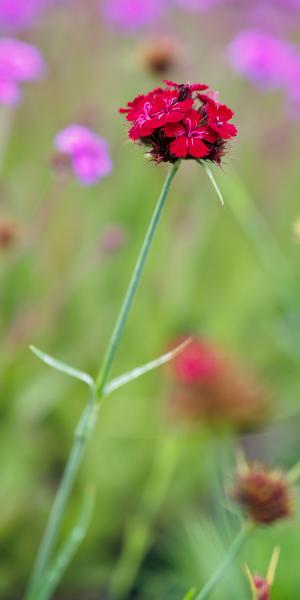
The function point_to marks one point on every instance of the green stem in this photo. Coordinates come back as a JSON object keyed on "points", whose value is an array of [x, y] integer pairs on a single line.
{"points": [[139, 530], [82, 435], [133, 284], [89, 416], [55, 572], [223, 567]]}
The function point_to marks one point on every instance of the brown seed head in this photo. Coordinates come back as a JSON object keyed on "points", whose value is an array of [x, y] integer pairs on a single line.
{"points": [[159, 55], [265, 495], [7, 233]]}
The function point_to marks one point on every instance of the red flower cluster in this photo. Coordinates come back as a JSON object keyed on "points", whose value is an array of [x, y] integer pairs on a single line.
{"points": [[180, 121]]}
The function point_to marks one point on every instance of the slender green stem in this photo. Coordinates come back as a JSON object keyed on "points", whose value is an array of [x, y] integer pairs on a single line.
{"points": [[86, 424], [133, 284], [54, 573], [230, 556], [82, 435], [139, 530]]}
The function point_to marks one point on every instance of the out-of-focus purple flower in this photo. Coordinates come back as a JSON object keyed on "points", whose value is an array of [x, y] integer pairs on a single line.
{"points": [[18, 14], [198, 5], [261, 57], [19, 62], [87, 151], [130, 15]]}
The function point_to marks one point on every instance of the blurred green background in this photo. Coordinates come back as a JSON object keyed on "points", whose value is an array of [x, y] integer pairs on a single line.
{"points": [[227, 274]]}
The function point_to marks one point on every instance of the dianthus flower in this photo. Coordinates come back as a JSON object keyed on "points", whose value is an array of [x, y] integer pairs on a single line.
{"points": [[197, 362], [210, 386], [178, 121], [18, 14], [87, 152], [19, 62], [130, 15]]}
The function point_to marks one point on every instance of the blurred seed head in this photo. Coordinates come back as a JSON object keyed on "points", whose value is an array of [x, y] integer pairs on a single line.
{"points": [[265, 495], [160, 55], [8, 233], [209, 386]]}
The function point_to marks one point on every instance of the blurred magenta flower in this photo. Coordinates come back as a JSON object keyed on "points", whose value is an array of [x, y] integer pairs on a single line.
{"points": [[262, 57], [199, 361], [87, 151], [19, 62], [17, 14], [130, 15]]}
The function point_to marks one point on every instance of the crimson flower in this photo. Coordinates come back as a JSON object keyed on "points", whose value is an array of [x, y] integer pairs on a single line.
{"points": [[177, 121], [188, 136], [218, 116]]}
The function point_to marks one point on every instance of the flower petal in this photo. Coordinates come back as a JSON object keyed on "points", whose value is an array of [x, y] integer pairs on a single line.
{"points": [[174, 129], [197, 148], [179, 147]]}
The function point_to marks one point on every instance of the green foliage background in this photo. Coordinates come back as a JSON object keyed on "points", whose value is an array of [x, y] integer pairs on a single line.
{"points": [[217, 272]]}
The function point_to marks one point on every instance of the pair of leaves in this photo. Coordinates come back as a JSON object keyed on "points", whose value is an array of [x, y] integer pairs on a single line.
{"points": [[113, 385]]}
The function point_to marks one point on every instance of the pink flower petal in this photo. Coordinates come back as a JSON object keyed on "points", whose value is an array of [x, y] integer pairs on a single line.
{"points": [[20, 61], [9, 93]]}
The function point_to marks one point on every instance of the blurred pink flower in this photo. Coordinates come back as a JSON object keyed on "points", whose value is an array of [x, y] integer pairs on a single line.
{"points": [[262, 57], [87, 151], [198, 5], [199, 361], [17, 14], [130, 15], [19, 62]]}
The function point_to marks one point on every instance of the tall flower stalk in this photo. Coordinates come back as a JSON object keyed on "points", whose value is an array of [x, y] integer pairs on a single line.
{"points": [[88, 419], [175, 123]]}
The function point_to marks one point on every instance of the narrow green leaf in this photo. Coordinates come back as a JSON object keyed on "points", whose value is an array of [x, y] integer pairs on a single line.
{"points": [[213, 181], [61, 366], [190, 594], [49, 582], [139, 371]]}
